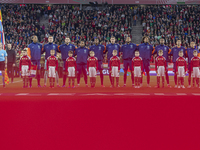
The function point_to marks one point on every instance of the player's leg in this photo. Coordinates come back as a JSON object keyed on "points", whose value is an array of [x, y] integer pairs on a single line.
{"points": [[167, 77], [12, 73], [189, 77], [141, 79], [45, 74], [117, 77], [57, 79], [175, 75], [125, 71], [3, 77], [79, 71], [163, 76], [90, 76], [53, 81], [84, 68], [69, 76], [64, 74], [132, 75], [147, 68], [38, 72], [50, 82], [100, 68], [110, 76]]}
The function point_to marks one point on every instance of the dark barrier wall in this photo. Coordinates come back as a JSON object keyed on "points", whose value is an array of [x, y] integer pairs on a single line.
{"points": [[100, 1]]}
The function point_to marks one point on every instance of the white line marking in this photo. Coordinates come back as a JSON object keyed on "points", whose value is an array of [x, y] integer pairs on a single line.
{"points": [[120, 94], [34, 94], [196, 94], [181, 94], [21, 94], [61, 94], [159, 94], [141, 94]]}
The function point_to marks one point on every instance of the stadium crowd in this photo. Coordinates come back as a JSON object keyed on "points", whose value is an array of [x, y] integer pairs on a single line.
{"points": [[171, 22]]}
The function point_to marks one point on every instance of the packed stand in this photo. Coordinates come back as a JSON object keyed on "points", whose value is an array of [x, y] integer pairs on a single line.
{"points": [[171, 22], [68, 20]]}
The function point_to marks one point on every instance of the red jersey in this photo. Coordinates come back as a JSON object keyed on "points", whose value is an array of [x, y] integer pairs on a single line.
{"points": [[25, 60], [195, 62], [181, 62], [92, 62], [137, 62], [114, 62], [160, 61], [70, 62], [52, 61]]}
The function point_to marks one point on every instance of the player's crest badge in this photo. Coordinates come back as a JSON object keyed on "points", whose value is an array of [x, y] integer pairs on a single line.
{"points": [[165, 48], [53, 47], [2, 54], [99, 47], [147, 47], [131, 46], [85, 51], [47, 46], [70, 47], [38, 46], [63, 46], [116, 46], [32, 46]]}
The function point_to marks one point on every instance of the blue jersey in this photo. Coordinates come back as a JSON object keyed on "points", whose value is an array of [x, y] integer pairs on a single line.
{"points": [[190, 53], [128, 51], [110, 48], [3, 54], [34, 51], [175, 52], [64, 49], [98, 50], [165, 50], [48, 47], [82, 55], [145, 51]]}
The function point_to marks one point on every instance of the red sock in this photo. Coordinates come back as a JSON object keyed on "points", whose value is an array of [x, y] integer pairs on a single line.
{"points": [[163, 80], [175, 79], [189, 79], [193, 81], [69, 80], [112, 81], [182, 81], [158, 80], [148, 78], [110, 78], [125, 76], [132, 77], [136, 81], [73, 81], [167, 77], [197, 81], [94, 82], [101, 76], [117, 81]]}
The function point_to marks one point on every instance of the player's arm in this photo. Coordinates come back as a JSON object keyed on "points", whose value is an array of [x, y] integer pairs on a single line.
{"points": [[154, 51], [47, 64], [29, 64], [185, 66], [75, 65], [141, 65], [176, 67], [43, 49], [29, 52], [132, 65], [104, 51], [56, 64], [119, 64], [20, 63], [156, 65], [75, 52], [88, 65], [66, 66], [96, 64], [58, 49], [169, 51], [165, 65]]}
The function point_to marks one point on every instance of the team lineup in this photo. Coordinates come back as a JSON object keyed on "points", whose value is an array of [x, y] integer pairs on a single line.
{"points": [[77, 61]]}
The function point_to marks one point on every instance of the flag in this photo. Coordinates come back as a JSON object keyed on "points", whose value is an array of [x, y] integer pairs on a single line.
{"points": [[2, 38], [33, 71], [6, 77]]}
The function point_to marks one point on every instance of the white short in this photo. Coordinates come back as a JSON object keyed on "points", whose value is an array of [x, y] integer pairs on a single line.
{"points": [[137, 71], [115, 72], [181, 72], [25, 70], [71, 71], [195, 73], [92, 72], [52, 73], [161, 71]]}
